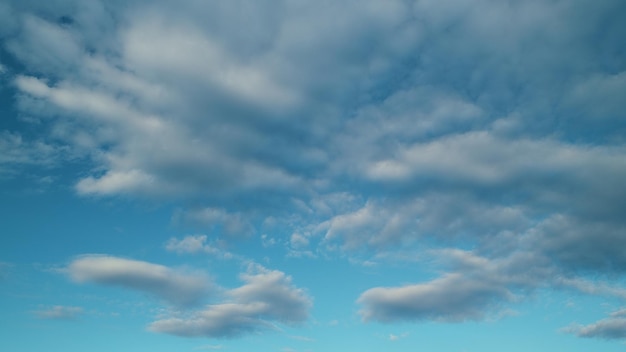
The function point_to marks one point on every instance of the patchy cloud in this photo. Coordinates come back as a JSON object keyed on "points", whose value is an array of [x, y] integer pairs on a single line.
{"points": [[611, 328], [174, 286], [59, 313], [226, 224], [396, 127], [17, 152], [452, 298], [196, 244], [266, 297]]}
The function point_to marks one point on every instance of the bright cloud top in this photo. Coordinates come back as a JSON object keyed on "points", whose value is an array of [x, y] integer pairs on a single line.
{"points": [[173, 286], [265, 297]]}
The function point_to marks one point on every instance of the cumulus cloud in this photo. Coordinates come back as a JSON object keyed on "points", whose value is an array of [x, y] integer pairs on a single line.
{"points": [[451, 298], [189, 244], [475, 288], [583, 246], [59, 313], [611, 328], [394, 337], [298, 241], [396, 125], [174, 286], [17, 152], [266, 297]]}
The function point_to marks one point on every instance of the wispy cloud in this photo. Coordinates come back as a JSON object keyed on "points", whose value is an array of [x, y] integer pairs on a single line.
{"points": [[194, 244], [452, 298], [410, 130], [59, 313]]}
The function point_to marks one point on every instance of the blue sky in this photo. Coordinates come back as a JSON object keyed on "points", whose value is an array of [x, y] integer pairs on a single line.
{"points": [[312, 175]]}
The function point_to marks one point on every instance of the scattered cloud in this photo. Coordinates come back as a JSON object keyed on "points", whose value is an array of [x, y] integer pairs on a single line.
{"points": [[17, 152], [174, 286], [228, 225], [393, 337], [189, 244], [59, 313], [611, 328], [194, 244], [397, 127], [266, 297], [298, 241], [451, 298]]}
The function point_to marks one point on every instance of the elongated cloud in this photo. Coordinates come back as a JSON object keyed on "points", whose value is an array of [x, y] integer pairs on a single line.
{"points": [[173, 286], [395, 125], [266, 298], [611, 328], [452, 298]]}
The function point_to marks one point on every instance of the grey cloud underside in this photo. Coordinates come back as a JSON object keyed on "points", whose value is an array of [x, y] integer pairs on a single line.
{"points": [[451, 298], [179, 288], [610, 328], [266, 298], [359, 126]]}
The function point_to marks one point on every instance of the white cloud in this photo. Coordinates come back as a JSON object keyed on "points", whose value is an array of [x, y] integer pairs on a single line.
{"points": [[196, 244], [173, 286], [394, 126], [17, 152], [298, 241], [451, 298], [611, 328], [45, 46], [228, 224], [266, 297], [189, 244]]}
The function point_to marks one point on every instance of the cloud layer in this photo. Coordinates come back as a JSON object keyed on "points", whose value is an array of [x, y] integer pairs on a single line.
{"points": [[353, 128]]}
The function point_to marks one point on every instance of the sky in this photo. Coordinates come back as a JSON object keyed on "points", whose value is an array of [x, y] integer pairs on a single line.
{"points": [[292, 176]]}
